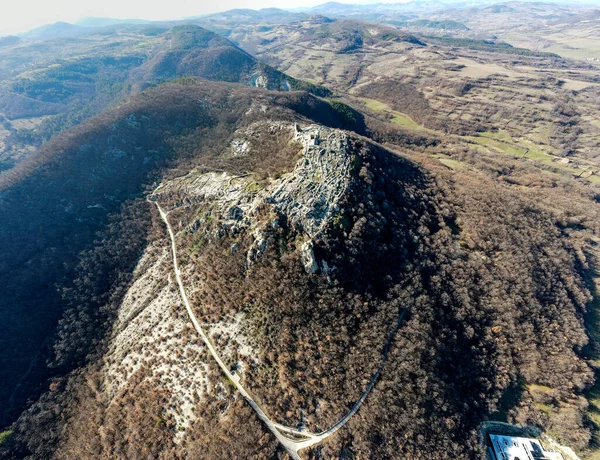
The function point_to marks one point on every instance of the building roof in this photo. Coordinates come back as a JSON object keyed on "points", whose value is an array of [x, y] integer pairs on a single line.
{"points": [[516, 448]]}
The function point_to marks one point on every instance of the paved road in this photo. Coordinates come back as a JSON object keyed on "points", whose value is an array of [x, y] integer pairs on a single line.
{"points": [[307, 439]]}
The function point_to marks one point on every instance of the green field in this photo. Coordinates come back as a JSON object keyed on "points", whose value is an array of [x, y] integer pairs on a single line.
{"points": [[451, 163], [398, 117], [502, 142], [4, 435]]}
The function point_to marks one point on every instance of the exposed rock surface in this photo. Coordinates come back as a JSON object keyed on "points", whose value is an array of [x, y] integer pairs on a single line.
{"points": [[307, 198], [153, 331]]}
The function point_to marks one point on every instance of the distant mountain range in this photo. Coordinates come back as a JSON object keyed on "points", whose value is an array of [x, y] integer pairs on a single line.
{"points": [[102, 22], [367, 10], [56, 30]]}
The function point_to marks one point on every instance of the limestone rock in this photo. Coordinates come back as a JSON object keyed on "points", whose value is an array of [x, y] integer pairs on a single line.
{"points": [[308, 197]]}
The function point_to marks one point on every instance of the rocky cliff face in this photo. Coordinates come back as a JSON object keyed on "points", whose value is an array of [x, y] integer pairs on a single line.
{"points": [[307, 198]]}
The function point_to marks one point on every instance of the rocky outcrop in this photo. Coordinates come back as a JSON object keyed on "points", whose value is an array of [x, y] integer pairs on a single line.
{"points": [[307, 198], [151, 334]]}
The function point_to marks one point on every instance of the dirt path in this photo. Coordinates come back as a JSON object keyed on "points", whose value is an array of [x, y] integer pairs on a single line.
{"points": [[291, 445]]}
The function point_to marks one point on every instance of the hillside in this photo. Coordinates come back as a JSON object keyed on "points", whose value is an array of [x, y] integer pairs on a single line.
{"points": [[42, 101], [376, 244], [71, 186], [495, 96], [56, 30], [9, 40], [317, 34], [568, 29], [333, 275]]}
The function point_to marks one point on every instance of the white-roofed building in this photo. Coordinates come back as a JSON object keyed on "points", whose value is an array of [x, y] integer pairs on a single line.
{"points": [[515, 448]]}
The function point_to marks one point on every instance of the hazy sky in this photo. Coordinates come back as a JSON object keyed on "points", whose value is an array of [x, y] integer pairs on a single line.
{"points": [[20, 15]]}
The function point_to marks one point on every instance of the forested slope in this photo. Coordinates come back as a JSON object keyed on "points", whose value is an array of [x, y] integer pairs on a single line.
{"points": [[103, 69], [490, 279], [54, 203]]}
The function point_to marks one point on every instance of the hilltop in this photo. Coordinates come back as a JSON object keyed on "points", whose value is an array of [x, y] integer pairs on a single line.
{"points": [[56, 30], [74, 182]]}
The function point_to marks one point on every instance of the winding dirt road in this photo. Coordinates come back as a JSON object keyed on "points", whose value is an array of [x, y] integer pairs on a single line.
{"points": [[303, 439]]}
